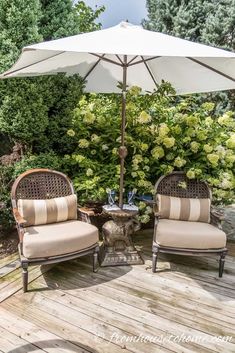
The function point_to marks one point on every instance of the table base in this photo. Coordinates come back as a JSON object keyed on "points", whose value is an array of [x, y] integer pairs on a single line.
{"points": [[121, 258], [118, 248]]}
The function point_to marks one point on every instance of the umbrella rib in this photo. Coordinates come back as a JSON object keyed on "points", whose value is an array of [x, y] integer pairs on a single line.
{"points": [[150, 72], [106, 59], [119, 59], [132, 60], [92, 68], [25, 67], [212, 69], [141, 61]]}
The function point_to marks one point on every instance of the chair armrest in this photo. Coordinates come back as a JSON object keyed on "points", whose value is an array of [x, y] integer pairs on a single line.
{"points": [[85, 214], [86, 210], [18, 218], [155, 210]]}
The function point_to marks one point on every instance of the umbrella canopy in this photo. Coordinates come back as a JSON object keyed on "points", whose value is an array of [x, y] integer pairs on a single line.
{"points": [[134, 56], [151, 57]]}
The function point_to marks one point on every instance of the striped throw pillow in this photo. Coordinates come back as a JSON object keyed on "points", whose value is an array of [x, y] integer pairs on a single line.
{"points": [[59, 209], [184, 209]]}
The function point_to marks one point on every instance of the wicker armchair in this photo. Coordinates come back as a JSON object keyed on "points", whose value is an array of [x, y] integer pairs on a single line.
{"points": [[50, 242], [187, 237]]}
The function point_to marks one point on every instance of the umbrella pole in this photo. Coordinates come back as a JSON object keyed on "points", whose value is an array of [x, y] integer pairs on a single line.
{"points": [[123, 149]]}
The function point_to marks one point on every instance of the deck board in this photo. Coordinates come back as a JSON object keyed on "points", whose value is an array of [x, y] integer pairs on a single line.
{"points": [[71, 309], [6, 260], [32, 336], [10, 342], [11, 282], [9, 267], [96, 284]]}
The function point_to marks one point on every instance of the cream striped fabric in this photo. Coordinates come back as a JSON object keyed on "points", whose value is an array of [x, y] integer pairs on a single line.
{"points": [[184, 209], [59, 209]]}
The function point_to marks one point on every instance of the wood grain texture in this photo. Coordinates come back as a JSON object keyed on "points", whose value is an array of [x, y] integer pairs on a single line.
{"points": [[71, 309]]}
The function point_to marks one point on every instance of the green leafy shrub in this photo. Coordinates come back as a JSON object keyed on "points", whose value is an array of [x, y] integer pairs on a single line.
{"points": [[163, 133], [9, 173], [6, 219], [43, 160], [36, 111]]}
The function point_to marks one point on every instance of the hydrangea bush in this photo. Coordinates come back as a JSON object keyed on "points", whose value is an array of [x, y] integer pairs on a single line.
{"points": [[163, 133]]}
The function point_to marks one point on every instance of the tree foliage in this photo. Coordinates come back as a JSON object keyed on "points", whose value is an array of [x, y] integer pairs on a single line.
{"points": [[58, 19], [61, 18], [220, 25], [37, 111], [209, 22], [206, 21], [18, 27], [87, 17]]}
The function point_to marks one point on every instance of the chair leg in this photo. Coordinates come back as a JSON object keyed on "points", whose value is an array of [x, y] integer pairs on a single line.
{"points": [[154, 261], [221, 264], [95, 259], [25, 276]]}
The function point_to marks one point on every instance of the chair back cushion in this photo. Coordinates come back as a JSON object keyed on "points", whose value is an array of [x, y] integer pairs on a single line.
{"points": [[59, 209], [184, 209]]}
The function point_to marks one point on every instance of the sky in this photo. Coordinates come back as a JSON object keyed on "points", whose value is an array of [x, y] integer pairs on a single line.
{"points": [[120, 10]]}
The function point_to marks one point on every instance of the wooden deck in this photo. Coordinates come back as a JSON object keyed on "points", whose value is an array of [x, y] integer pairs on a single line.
{"points": [[119, 309]]}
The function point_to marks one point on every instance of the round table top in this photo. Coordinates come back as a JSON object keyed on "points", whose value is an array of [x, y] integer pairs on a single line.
{"points": [[121, 213]]}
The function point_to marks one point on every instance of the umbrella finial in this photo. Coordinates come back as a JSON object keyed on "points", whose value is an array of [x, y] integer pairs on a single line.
{"points": [[125, 24]]}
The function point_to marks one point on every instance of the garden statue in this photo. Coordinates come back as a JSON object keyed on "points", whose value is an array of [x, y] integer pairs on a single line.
{"points": [[15, 156], [117, 242]]}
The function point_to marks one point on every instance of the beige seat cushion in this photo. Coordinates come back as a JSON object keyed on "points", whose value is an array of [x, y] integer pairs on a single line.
{"points": [[189, 235], [58, 239]]}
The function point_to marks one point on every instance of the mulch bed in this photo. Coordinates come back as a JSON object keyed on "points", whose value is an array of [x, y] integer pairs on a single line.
{"points": [[8, 243]]}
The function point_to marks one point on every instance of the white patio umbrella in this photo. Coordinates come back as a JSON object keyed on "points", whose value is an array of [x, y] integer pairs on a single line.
{"points": [[134, 56]]}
